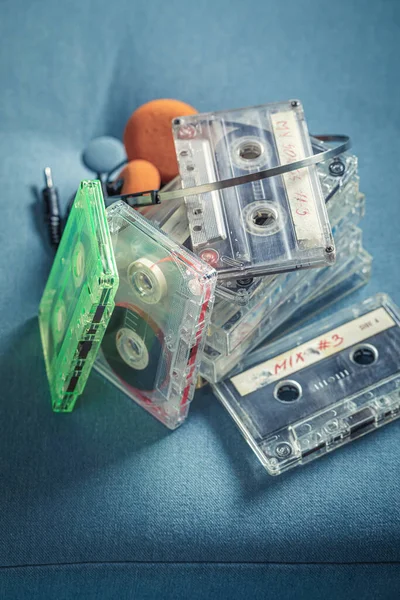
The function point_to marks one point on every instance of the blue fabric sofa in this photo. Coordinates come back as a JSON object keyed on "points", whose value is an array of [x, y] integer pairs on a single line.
{"points": [[105, 503]]}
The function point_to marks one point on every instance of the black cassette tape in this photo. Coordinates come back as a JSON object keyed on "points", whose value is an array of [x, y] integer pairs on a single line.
{"points": [[266, 226], [319, 388]]}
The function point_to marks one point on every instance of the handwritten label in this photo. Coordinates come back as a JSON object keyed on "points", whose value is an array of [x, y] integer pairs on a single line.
{"points": [[298, 184], [313, 351]]}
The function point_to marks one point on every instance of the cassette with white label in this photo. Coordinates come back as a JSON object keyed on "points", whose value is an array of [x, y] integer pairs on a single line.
{"points": [[319, 388], [261, 227], [231, 324]]}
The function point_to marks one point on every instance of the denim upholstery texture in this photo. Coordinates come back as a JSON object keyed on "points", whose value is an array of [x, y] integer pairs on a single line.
{"points": [[105, 503]]}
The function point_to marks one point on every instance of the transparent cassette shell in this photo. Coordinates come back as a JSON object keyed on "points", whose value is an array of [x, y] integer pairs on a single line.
{"points": [[356, 275], [217, 365], [231, 324], [265, 227], [340, 187], [78, 298], [319, 388], [342, 196], [154, 342]]}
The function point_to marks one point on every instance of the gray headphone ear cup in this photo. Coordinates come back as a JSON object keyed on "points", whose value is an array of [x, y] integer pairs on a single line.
{"points": [[103, 154]]}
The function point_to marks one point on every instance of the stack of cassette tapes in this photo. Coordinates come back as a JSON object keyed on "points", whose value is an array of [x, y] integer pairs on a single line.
{"points": [[258, 233], [251, 309]]}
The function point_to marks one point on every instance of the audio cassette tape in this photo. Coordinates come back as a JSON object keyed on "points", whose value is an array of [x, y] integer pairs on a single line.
{"points": [[262, 322], [78, 298], [319, 388], [340, 187], [154, 341], [356, 274], [346, 206], [261, 227], [231, 324]]}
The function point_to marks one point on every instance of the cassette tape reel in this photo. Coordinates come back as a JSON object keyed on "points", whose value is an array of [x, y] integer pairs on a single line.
{"points": [[319, 388], [154, 341], [78, 298], [258, 228]]}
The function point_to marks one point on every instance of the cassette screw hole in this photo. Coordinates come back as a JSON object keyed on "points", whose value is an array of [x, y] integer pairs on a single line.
{"points": [[337, 168], [263, 217], [250, 150], [197, 211], [197, 228], [283, 450], [245, 282], [287, 391], [364, 355], [190, 167]]}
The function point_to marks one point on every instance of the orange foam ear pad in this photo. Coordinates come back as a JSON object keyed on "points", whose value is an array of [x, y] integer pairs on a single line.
{"points": [[140, 176], [148, 134]]}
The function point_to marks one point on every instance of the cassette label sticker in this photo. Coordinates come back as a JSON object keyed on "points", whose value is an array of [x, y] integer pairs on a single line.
{"points": [[314, 351], [297, 183]]}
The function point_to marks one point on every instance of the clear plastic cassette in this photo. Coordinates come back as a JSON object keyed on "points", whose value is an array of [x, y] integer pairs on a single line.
{"points": [[217, 365], [356, 275], [340, 186], [153, 344], [344, 202], [231, 324], [320, 388], [264, 227], [78, 298]]}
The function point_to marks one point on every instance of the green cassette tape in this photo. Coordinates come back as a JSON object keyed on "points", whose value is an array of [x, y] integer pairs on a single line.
{"points": [[78, 299]]}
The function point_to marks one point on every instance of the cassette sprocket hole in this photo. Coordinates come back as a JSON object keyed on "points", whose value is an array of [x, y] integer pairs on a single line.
{"points": [[288, 391]]}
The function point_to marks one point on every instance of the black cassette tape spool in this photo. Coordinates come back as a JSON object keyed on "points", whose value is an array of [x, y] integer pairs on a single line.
{"points": [[142, 379], [270, 222]]}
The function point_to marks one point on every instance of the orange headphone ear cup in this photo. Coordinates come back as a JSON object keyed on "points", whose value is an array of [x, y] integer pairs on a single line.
{"points": [[139, 176]]}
